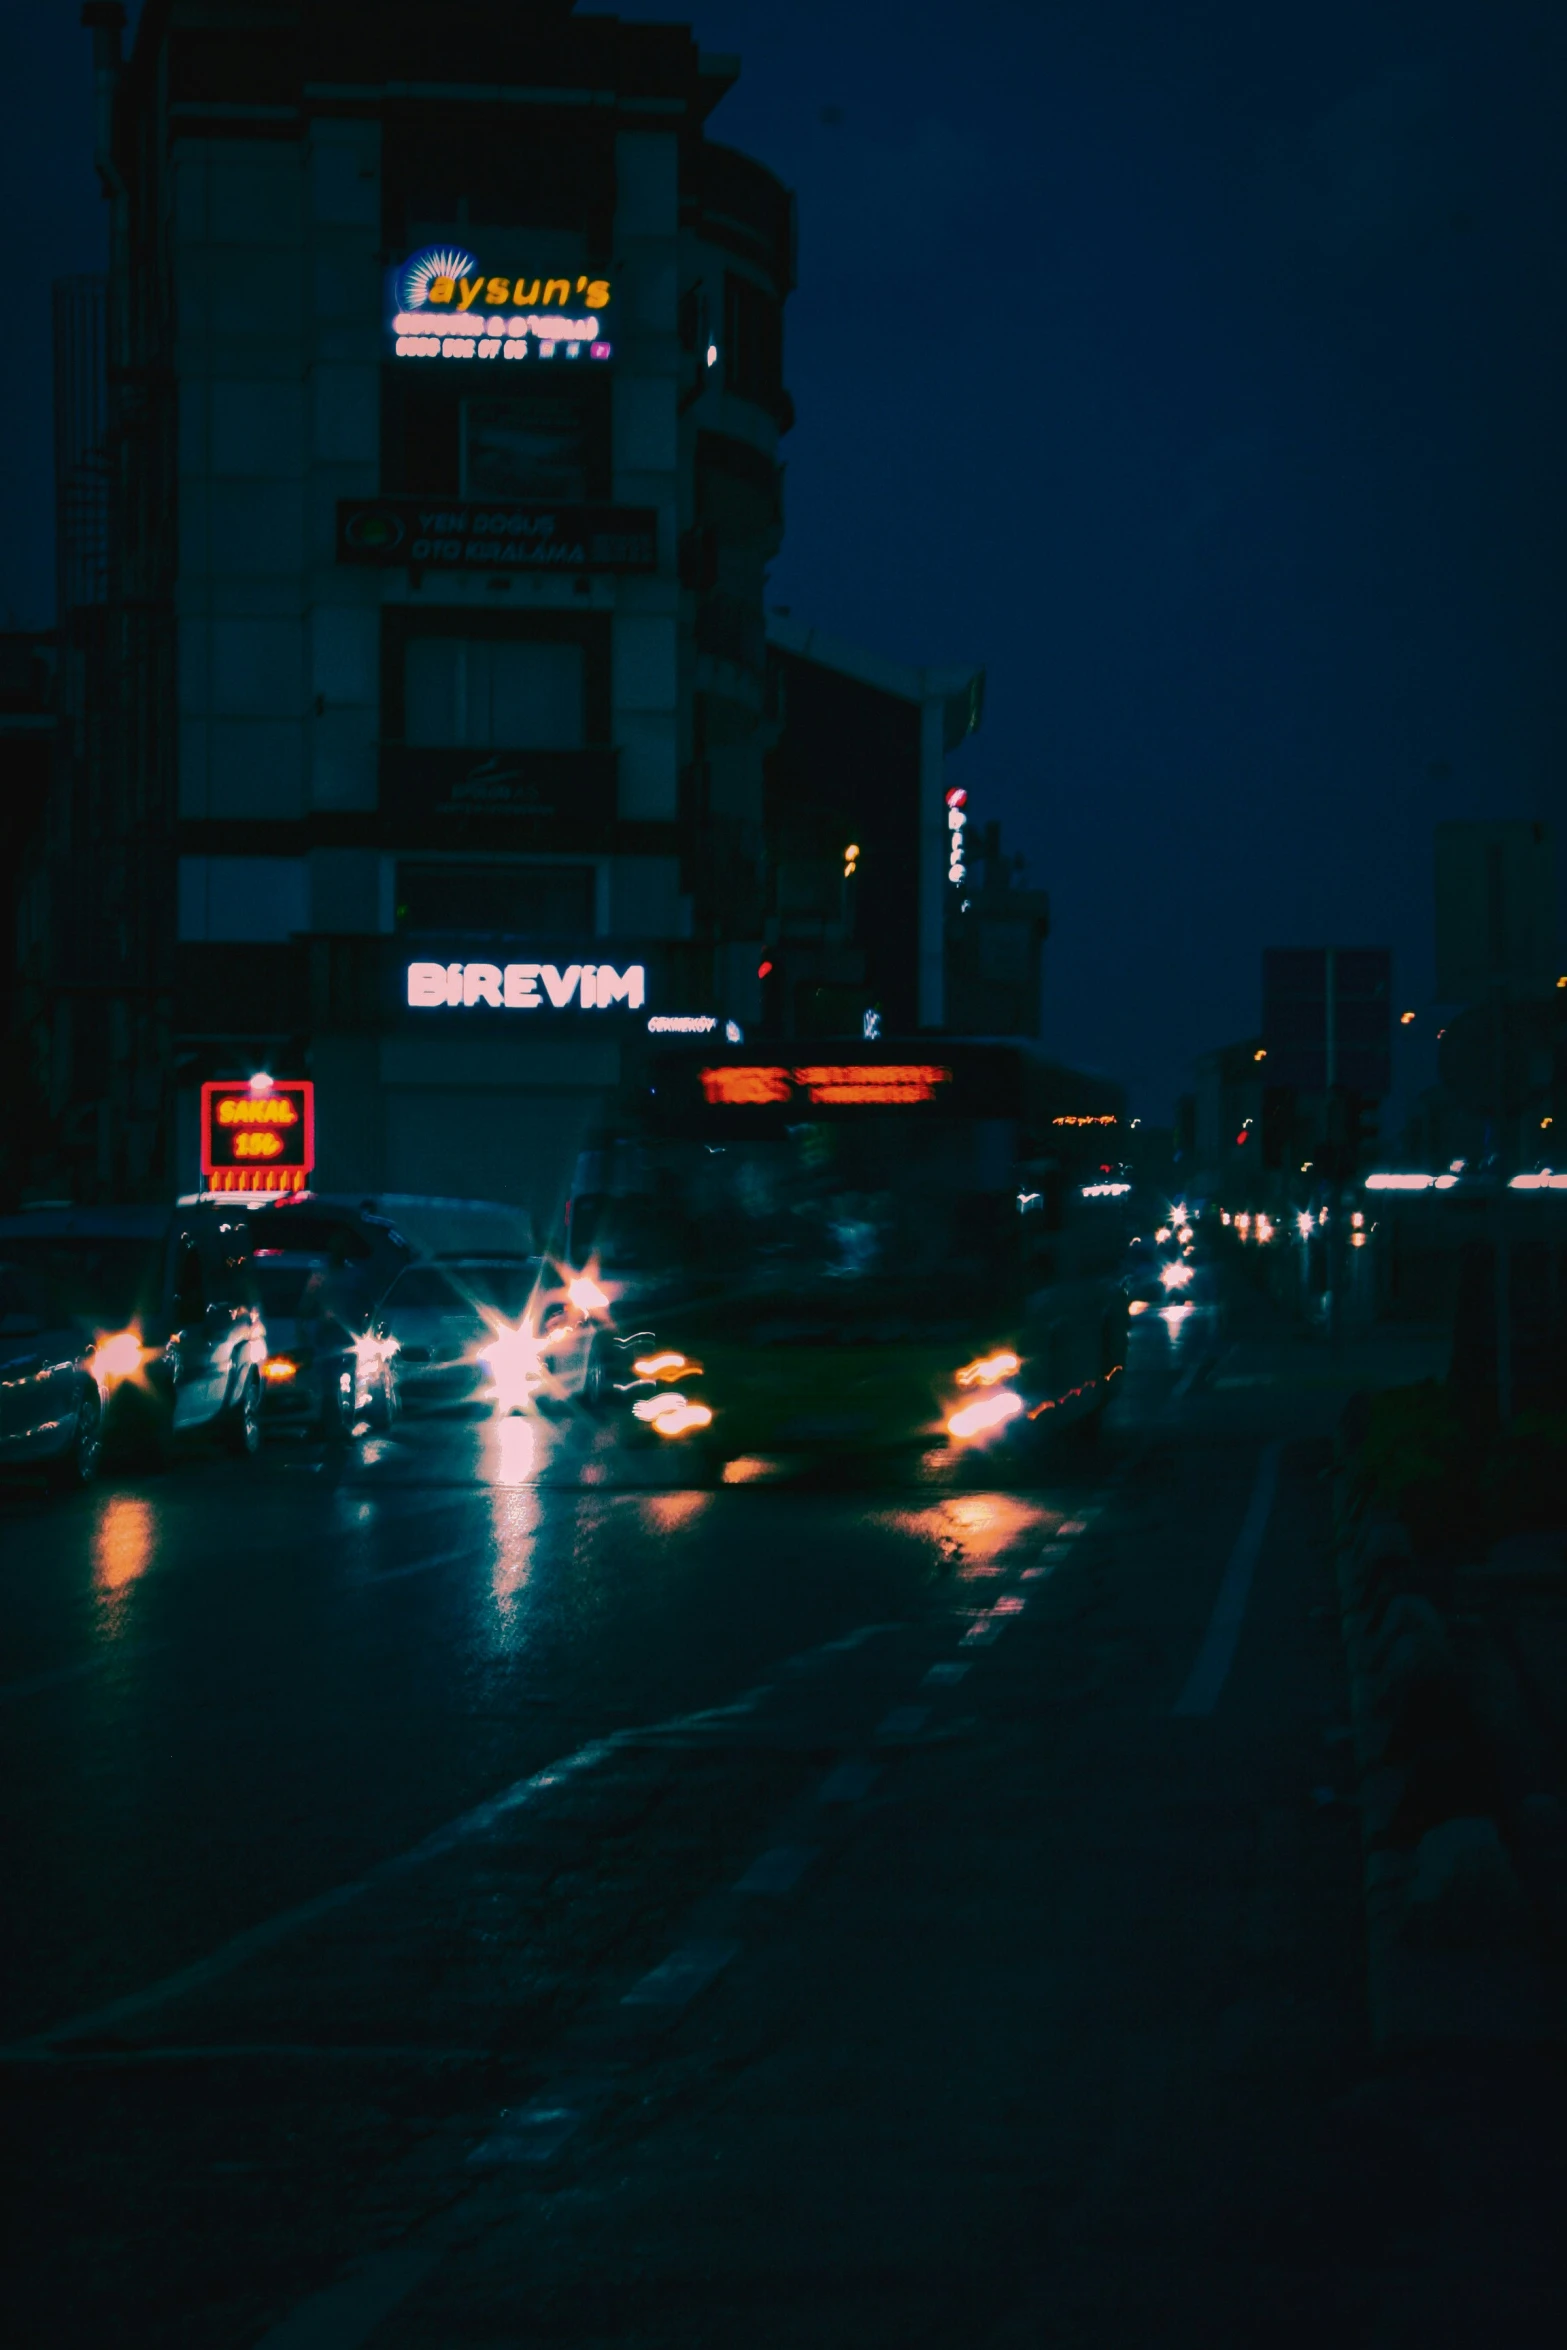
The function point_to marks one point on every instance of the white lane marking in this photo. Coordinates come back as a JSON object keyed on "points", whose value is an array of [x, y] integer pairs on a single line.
{"points": [[1032, 1574], [60, 1675], [1071, 1526], [904, 1721], [848, 1782], [856, 1639], [681, 1975], [371, 1578], [529, 2133], [1207, 1676], [346, 2314], [1055, 1550], [778, 1871], [981, 1635], [468, 1825], [942, 1676]]}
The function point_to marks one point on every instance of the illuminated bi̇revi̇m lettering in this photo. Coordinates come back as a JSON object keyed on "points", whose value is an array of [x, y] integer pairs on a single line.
{"points": [[516, 987]]}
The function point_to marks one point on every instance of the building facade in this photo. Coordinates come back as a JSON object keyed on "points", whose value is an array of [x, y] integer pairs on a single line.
{"points": [[446, 393], [865, 866]]}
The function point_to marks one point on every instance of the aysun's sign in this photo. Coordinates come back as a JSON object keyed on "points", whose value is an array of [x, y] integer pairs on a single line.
{"points": [[527, 987], [443, 305]]}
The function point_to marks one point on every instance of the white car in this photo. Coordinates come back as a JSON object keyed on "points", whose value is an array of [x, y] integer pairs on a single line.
{"points": [[488, 1329]]}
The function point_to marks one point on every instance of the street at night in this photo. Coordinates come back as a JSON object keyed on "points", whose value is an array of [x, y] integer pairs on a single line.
{"points": [[481, 1888], [783, 1246]]}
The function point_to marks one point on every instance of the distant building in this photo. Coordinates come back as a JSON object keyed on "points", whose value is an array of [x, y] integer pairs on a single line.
{"points": [[861, 897], [444, 426], [996, 937]]}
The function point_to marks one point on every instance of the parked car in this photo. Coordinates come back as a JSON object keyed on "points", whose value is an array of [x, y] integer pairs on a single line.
{"points": [[177, 1344], [51, 1399], [325, 1368]]}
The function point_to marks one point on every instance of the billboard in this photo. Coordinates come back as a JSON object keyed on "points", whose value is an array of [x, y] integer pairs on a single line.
{"points": [[258, 1135], [496, 534], [442, 304]]}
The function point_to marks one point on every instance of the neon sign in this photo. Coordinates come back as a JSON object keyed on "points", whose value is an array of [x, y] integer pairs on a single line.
{"points": [[258, 1136], [526, 987], [443, 305], [828, 1086], [957, 822]]}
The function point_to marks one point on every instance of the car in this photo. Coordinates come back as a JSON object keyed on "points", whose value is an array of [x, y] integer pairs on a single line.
{"points": [[499, 1329], [325, 1367], [51, 1393], [177, 1343]]}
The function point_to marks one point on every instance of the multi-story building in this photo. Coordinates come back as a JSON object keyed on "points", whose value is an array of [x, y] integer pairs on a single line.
{"points": [[445, 354], [866, 867]]}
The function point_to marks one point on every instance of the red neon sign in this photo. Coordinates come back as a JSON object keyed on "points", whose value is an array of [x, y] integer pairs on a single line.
{"points": [[258, 1137]]}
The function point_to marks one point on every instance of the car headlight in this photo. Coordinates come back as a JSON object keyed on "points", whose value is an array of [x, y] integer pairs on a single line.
{"points": [[119, 1356], [987, 1411]]}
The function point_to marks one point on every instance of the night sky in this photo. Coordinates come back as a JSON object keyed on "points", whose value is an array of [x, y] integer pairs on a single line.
{"points": [[1196, 367]]}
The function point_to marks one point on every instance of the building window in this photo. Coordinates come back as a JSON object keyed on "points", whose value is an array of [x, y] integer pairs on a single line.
{"points": [[753, 342], [528, 448], [250, 900], [515, 901], [502, 693]]}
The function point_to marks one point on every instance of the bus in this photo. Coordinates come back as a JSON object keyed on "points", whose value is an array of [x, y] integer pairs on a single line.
{"points": [[916, 1244]]}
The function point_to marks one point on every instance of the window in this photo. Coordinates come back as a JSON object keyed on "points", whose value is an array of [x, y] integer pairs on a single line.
{"points": [[484, 693], [526, 448], [547, 901], [753, 342]]}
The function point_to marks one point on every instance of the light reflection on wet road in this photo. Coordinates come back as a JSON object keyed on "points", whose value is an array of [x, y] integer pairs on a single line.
{"points": [[229, 1687]]}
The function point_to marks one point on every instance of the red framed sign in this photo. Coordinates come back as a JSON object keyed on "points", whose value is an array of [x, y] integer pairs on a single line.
{"points": [[258, 1136]]}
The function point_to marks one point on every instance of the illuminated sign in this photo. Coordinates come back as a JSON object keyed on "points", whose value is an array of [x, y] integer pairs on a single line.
{"points": [[527, 987], [888, 1084], [682, 1024], [490, 534], [258, 1136], [957, 821], [1086, 1118], [441, 304]]}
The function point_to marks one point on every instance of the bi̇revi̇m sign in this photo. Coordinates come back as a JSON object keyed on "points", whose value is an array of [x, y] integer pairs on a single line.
{"points": [[527, 987], [443, 305]]}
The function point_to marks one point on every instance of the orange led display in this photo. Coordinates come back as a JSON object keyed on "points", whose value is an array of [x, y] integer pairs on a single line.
{"points": [[891, 1082], [835, 1084], [736, 1088], [258, 1136]]}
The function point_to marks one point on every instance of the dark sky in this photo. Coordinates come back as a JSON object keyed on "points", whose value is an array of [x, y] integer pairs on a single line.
{"points": [[1199, 369]]}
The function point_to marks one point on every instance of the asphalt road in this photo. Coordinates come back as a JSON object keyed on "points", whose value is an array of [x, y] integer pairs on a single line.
{"points": [[470, 1888]]}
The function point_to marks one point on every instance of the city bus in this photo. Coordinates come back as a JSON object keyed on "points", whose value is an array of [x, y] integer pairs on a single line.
{"points": [[856, 1250]]}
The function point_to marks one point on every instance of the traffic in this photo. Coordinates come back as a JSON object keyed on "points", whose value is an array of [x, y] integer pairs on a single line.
{"points": [[765, 1267]]}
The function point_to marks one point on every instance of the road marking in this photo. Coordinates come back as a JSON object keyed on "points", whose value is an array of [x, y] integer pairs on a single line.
{"points": [[61, 1675], [531, 2133], [778, 1871], [941, 1676], [904, 1721], [1214, 1658], [371, 1578], [1055, 1550], [856, 1639], [256, 1939], [680, 1976], [1071, 1526], [1032, 1574], [348, 2313], [848, 1782]]}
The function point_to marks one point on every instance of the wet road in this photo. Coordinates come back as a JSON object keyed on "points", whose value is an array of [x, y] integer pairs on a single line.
{"points": [[435, 1857]]}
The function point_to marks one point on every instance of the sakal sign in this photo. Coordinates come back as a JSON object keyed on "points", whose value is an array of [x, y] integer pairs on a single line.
{"points": [[441, 304]]}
